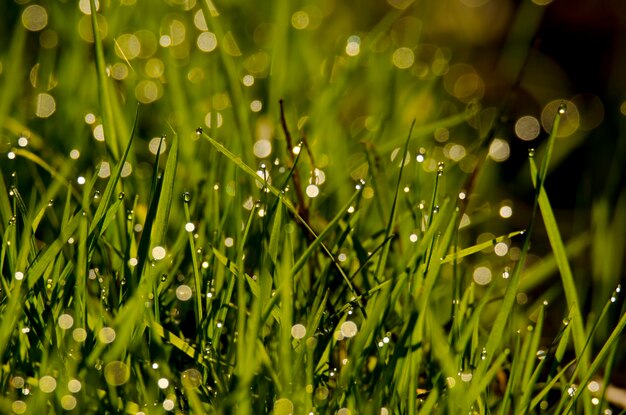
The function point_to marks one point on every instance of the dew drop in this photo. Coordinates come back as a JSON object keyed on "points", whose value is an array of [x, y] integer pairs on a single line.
{"points": [[65, 321], [74, 386], [120, 196], [199, 130], [47, 384], [298, 331], [116, 373], [451, 382], [79, 334], [158, 253], [440, 166], [168, 404], [68, 402], [283, 406], [349, 329], [531, 152], [562, 108], [186, 197], [312, 191], [106, 335], [19, 407], [184, 292], [466, 376], [571, 391], [18, 382], [163, 383], [191, 378]]}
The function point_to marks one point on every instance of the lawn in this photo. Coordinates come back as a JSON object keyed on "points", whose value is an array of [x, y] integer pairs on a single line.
{"points": [[307, 207]]}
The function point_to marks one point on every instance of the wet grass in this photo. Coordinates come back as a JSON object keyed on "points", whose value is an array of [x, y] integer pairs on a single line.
{"points": [[337, 273]]}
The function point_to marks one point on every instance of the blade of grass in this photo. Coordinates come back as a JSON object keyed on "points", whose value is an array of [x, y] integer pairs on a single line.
{"points": [[380, 267], [479, 247], [560, 255], [104, 92]]}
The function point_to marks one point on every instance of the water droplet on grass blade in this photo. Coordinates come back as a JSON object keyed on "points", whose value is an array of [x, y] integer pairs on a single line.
{"points": [[68, 402], [106, 335], [116, 373], [191, 378], [349, 329], [19, 407], [168, 404], [562, 108], [65, 321], [184, 292], [298, 331], [47, 384], [158, 253], [79, 334], [199, 130], [466, 376], [571, 391], [283, 406], [74, 386]]}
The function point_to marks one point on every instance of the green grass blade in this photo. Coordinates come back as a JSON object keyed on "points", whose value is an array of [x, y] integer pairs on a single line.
{"points": [[479, 247], [560, 255], [104, 92]]}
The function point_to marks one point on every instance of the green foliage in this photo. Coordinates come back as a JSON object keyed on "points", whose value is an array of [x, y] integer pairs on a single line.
{"points": [[230, 268]]}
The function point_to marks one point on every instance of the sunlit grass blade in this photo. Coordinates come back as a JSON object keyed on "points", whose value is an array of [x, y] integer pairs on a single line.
{"points": [[320, 238], [560, 255], [393, 211], [479, 247], [95, 227], [161, 219], [104, 90], [550, 385], [194, 260]]}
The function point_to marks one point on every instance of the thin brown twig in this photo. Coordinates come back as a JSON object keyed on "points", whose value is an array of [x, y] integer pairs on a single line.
{"points": [[297, 184]]}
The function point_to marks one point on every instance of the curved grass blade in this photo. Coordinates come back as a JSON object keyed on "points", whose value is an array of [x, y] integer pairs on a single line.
{"points": [[250, 172], [380, 268], [560, 255], [96, 226], [194, 262], [161, 219], [479, 247], [104, 93]]}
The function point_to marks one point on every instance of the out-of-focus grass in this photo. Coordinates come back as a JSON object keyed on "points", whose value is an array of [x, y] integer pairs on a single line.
{"points": [[174, 239]]}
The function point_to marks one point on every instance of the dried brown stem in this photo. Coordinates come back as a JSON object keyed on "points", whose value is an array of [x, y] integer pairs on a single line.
{"points": [[297, 184]]}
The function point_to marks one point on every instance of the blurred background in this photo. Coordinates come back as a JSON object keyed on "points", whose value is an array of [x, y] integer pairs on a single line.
{"points": [[478, 76]]}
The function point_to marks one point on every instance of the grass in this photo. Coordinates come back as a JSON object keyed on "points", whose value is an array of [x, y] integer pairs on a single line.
{"points": [[346, 270]]}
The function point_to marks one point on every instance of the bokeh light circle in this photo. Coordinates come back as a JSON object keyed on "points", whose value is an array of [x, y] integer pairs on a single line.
{"points": [[570, 120]]}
